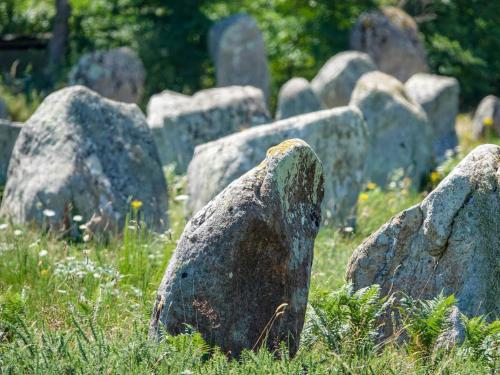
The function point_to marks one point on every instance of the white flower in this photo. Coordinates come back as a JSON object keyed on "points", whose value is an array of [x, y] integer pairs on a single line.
{"points": [[18, 232], [83, 227], [49, 213], [181, 198], [4, 226], [77, 218], [348, 229], [86, 238], [43, 253]]}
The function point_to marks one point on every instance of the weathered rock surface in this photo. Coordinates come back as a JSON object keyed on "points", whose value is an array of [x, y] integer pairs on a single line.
{"points": [[391, 37], [237, 49], [180, 123], [8, 135], [487, 115], [117, 74], [449, 242], [245, 254], [296, 97], [336, 80], [4, 112], [82, 154], [338, 137], [399, 135], [438, 96]]}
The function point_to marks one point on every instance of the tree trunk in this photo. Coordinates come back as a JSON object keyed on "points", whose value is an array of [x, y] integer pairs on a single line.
{"points": [[60, 35]]}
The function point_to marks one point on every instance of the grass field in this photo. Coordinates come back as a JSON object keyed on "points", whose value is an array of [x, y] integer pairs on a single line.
{"points": [[84, 308]]}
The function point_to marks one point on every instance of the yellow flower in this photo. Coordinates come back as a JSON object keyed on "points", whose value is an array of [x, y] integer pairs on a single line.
{"points": [[363, 197], [435, 177], [371, 186], [44, 272], [487, 121], [136, 204]]}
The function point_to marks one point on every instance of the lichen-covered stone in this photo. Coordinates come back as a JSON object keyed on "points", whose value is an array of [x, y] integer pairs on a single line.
{"points": [[336, 80], [399, 134], [438, 96], [391, 37], [8, 135], [296, 97], [117, 74], [180, 123], [237, 49], [82, 154], [241, 270], [449, 242], [338, 136], [487, 116]]}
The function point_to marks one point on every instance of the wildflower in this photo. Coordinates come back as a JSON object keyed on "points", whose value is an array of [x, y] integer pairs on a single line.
{"points": [[43, 253], [86, 238], [371, 186], [348, 229], [435, 177], [181, 198], [44, 272], [4, 226], [83, 227], [77, 218], [49, 213], [18, 232], [136, 204], [363, 197], [488, 121]]}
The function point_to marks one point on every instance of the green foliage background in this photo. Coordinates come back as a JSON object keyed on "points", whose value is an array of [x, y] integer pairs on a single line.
{"points": [[462, 36]]}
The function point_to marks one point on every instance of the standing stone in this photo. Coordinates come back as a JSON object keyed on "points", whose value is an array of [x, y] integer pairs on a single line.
{"points": [[391, 38], [487, 116], [117, 74], [241, 270], [82, 154], [296, 97], [438, 96], [449, 242], [4, 111], [238, 52], [400, 137], [8, 135], [179, 123], [336, 80], [338, 137]]}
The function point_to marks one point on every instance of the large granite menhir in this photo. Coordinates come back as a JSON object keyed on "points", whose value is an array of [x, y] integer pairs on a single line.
{"points": [[82, 154], [180, 122], [241, 271], [449, 242], [338, 136]]}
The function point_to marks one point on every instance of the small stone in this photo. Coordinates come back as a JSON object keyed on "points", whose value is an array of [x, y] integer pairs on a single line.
{"points": [[116, 74], [296, 97], [260, 230], [392, 39], [336, 80], [237, 49]]}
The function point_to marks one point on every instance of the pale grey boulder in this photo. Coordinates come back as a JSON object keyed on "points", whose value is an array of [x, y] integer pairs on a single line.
{"points": [[180, 123], [487, 115], [237, 49], [336, 80], [4, 111], [8, 135], [245, 259], [399, 134], [296, 97], [117, 74], [391, 37], [338, 136], [448, 243], [438, 96], [82, 154]]}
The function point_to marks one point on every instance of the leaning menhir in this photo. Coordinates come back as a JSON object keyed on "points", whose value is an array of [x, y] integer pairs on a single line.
{"points": [[240, 272], [399, 134], [449, 242], [82, 154], [179, 122], [338, 136], [237, 49], [438, 96]]}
